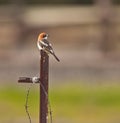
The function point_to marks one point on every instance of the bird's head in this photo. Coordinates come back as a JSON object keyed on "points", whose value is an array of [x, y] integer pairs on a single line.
{"points": [[42, 35]]}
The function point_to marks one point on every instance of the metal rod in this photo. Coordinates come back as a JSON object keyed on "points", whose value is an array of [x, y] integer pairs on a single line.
{"points": [[25, 80], [44, 68], [28, 80]]}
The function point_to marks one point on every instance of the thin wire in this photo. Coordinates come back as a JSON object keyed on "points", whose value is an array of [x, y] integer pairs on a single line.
{"points": [[26, 103]]}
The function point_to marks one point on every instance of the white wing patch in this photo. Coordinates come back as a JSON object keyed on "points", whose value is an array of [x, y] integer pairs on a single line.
{"points": [[50, 44], [51, 51], [43, 43]]}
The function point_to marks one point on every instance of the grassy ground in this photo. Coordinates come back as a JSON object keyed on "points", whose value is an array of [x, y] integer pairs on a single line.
{"points": [[70, 103]]}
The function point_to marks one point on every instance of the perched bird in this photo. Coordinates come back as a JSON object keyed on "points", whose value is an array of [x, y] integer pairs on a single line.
{"points": [[43, 44]]}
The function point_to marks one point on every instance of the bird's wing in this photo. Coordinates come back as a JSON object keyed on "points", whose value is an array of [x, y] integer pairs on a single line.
{"points": [[47, 46]]}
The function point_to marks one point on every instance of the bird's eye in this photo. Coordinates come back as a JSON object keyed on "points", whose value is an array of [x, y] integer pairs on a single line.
{"points": [[44, 35]]}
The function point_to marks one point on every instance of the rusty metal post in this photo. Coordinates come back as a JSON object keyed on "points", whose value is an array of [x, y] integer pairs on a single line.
{"points": [[43, 81], [44, 68]]}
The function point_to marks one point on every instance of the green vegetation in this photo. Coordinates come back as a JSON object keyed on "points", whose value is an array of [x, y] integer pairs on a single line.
{"points": [[73, 103]]}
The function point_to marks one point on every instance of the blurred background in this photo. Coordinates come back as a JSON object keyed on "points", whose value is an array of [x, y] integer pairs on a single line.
{"points": [[84, 86]]}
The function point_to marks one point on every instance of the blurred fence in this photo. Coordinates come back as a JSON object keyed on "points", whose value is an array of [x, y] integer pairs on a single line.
{"points": [[82, 38], [84, 24]]}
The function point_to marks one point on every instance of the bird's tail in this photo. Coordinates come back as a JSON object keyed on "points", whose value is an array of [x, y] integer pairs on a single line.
{"points": [[56, 57]]}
